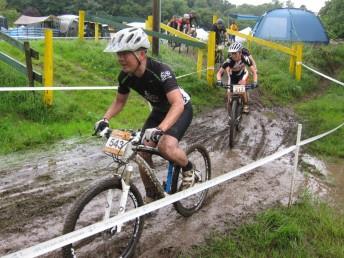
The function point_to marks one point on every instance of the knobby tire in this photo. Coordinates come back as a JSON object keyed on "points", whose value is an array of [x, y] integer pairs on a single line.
{"points": [[233, 123], [85, 212], [199, 156]]}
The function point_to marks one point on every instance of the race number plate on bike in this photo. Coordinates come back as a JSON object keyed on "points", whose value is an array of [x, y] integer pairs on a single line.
{"points": [[117, 142], [239, 88]]}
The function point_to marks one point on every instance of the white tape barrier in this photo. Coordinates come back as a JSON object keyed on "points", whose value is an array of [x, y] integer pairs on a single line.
{"points": [[58, 88], [323, 75], [178, 77], [312, 139], [85, 232], [71, 87]]}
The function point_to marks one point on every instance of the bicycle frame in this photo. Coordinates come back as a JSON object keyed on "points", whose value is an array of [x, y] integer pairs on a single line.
{"points": [[131, 154]]}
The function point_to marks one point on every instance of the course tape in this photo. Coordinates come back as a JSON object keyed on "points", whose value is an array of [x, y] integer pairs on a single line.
{"points": [[323, 75], [178, 77], [74, 236], [58, 88], [23, 88]]}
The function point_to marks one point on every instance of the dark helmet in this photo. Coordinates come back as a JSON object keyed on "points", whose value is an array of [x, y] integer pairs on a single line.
{"points": [[220, 21]]}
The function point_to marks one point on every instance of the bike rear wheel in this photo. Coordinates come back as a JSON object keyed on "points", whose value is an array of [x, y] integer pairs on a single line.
{"points": [[233, 125], [199, 156], [90, 208]]}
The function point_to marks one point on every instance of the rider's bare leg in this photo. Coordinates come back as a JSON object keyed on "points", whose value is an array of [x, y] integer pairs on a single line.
{"points": [[245, 97], [169, 148]]}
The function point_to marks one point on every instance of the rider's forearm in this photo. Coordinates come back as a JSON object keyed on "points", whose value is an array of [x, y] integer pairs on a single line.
{"points": [[172, 116], [116, 106], [254, 73], [113, 110], [219, 75]]}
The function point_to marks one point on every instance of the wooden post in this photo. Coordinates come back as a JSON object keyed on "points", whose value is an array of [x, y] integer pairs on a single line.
{"points": [[81, 24], [96, 31], [149, 26], [28, 63], [199, 63], [48, 67], [296, 161], [211, 58], [156, 26], [298, 68]]}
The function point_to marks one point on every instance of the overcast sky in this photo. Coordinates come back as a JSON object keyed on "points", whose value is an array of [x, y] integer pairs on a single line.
{"points": [[312, 5]]}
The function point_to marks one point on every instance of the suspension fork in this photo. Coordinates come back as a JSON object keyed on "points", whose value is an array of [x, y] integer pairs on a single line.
{"points": [[125, 182]]}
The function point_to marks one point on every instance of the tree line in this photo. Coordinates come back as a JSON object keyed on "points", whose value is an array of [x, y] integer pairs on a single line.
{"points": [[332, 14]]}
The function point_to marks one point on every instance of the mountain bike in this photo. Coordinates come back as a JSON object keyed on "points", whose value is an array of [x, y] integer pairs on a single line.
{"points": [[117, 194], [219, 55], [235, 108]]}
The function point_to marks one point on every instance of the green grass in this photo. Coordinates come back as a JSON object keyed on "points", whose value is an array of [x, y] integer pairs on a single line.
{"points": [[323, 114], [26, 123], [307, 229], [85, 64], [325, 111]]}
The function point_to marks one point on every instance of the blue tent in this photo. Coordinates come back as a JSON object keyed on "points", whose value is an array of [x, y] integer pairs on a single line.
{"points": [[290, 24]]}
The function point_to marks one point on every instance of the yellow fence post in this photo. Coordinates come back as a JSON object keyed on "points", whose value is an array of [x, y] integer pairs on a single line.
{"points": [[48, 67], [292, 60], [199, 62], [96, 31], [211, 58], [149, 26], [81, 24], [215, 17], [250, 41], [298, 69]]}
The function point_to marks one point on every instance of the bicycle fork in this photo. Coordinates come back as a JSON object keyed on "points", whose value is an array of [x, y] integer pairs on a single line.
{"points": [[125, 182]]}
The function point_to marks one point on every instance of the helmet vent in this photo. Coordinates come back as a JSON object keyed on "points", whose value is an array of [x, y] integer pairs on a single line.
{"points": [[120, 38], [129, 38]]}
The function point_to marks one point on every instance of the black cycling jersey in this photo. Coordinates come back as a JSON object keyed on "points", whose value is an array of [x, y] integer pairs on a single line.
{"points": [[219, 33], [237, 67], [157, 80], [245, 52]]}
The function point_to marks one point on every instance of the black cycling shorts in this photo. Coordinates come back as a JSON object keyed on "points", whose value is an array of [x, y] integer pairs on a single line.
{"points": [[236, 78], [178, 129]]}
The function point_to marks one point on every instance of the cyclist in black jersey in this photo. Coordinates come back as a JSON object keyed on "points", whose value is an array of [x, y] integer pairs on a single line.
{"points": [[235, 68], [221, 34], [171, 112]]}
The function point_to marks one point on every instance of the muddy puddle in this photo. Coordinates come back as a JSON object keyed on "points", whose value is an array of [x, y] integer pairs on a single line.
{"points": [[37, 188], [336, 173]]}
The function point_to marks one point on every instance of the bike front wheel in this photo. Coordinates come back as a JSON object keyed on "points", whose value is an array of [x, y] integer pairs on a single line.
{"points": [[91, 207], [199, 156], [233, 123]]}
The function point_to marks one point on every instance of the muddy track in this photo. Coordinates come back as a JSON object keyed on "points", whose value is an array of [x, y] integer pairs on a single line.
{"points": [[37, 188]]}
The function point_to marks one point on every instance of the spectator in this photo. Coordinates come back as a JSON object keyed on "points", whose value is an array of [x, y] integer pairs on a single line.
{"points": [[233, 27]]}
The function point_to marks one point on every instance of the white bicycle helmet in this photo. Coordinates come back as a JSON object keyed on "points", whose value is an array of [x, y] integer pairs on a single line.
{"points": [[129, 39], [235, 47]]}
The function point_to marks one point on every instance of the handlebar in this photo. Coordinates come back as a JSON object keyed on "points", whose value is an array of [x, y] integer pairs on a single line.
{"points": [[249, 86], [134, 140]]}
